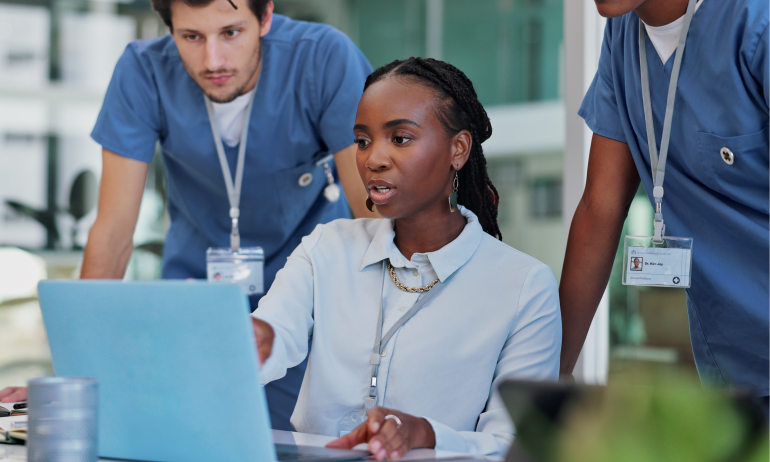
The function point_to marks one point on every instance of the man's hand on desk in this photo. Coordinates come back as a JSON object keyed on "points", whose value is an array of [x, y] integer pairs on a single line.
{"points": [[264, 335], [386, 438], [13, 394]]}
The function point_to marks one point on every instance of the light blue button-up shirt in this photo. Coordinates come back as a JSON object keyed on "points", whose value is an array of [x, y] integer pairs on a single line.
{"points": [[497, 318]]}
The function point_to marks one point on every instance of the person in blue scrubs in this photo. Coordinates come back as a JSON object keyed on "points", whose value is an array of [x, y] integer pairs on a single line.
{"points": [[716, 179], [310, 79]]}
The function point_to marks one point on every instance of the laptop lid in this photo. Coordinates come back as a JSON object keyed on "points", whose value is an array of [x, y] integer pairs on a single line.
{"points": [[176, 363]]}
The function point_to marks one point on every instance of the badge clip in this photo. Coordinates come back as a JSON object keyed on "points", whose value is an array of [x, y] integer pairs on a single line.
{"points": [[332, 191], [659, 226], [235, 237]]}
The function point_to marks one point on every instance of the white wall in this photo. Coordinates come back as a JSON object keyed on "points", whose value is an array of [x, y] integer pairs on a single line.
{"points": [[583, 30]]}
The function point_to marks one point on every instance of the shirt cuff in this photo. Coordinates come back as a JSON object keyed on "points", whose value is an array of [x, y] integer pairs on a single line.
{"points": [[271, 370], [448, 439], [601, 130]]}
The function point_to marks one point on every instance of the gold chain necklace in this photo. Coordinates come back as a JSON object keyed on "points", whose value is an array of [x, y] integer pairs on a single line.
{"points": [[413, 290]]}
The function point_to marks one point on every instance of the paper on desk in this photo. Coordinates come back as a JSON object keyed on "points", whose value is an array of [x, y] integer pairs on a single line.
{"points": [[6, 423], [8, 429], [9, 406]]}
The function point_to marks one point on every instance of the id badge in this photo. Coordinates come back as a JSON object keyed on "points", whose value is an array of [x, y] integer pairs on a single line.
{"points": [[244, 267], [668, 264]]}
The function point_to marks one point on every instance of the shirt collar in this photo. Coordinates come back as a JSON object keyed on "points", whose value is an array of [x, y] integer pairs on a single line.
{"points": [[445, 261]]}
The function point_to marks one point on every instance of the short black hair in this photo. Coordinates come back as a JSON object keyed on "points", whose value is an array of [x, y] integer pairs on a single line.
{"points": [[458, 109], [163, 7]]}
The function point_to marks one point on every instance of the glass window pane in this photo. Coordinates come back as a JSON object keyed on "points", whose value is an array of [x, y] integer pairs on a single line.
{"points": [[386, 31], [508, 48]]}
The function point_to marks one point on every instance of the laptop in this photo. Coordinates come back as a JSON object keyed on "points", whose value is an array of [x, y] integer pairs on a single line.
{"points": [[177, 368]]}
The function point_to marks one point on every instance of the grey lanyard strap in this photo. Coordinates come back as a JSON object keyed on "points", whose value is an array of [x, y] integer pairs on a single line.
{"points": [[233, 190], [381, 340], [659, 164]]}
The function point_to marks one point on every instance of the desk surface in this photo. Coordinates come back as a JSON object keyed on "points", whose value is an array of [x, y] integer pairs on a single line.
{"points": [[18, 453]]}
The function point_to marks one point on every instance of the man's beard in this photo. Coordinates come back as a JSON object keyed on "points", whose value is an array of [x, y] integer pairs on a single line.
{"points": [[251, 70]]}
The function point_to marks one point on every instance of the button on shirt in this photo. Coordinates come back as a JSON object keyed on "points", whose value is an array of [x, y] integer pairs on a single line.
{"points": [[497, 318], [311, 81], [721, 103]]}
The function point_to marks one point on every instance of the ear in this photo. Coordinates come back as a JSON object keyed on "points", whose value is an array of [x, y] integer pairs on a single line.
{"points": [[461, 148], [267, 20]]}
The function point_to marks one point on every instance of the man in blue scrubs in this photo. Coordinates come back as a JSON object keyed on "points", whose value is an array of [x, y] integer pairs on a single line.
{"points": [[310, 78], [716, 179]]}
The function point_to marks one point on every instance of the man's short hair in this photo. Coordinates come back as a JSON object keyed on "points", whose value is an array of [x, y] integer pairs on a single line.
{"points": [[163, 7]]}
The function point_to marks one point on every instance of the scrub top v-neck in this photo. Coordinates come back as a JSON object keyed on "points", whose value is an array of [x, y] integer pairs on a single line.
{"points": [[717, 171]]}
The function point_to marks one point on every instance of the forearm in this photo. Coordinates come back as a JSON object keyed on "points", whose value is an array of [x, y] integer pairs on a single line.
{"points": [[591, 248], [611, 183], [110, 241], [107, 252]]}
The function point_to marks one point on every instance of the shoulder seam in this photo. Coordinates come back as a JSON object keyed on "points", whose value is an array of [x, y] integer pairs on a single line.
{"points": [[502, 244], [521, 291], [759, 39], [320, 229]]}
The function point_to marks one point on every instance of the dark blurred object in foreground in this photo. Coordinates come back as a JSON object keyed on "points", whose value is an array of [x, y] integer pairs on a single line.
{"points": [[673, 420], [63, 420]]}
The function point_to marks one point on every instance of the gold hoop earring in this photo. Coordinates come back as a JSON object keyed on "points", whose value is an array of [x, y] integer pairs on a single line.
{"points": [[453, 196], [370, 204]]}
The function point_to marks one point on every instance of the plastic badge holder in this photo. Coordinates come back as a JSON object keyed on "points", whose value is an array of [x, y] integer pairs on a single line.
{"points": [[350, 422], [668, 264], [244, 267]]}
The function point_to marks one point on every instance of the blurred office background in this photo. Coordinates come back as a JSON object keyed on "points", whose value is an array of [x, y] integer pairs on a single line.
{"points": [[56, 59]]}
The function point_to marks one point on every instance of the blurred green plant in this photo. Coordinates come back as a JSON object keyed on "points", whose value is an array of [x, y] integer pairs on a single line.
{"points": [[674, 419], [761, 450]]}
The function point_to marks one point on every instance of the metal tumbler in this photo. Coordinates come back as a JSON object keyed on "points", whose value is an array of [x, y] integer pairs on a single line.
{"points": [[63, 420]]}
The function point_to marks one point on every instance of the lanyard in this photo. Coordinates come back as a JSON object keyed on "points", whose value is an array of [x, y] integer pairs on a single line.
{"points": [[659, 164], [233, 190], [381, 340]]}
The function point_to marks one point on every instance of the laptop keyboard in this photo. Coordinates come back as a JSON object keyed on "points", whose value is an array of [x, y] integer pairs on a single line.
{"points": [[288, 453], [292, 457]]}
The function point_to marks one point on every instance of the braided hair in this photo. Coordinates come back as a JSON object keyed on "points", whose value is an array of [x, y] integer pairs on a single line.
{"points": [[458, 109]]}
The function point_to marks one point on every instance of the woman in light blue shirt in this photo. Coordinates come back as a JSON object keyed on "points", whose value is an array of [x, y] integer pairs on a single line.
{"points": [[492, 312]]}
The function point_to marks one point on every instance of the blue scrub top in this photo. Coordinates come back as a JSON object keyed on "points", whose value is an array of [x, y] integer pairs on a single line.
{"points": [[312, 79], [722, 101]]}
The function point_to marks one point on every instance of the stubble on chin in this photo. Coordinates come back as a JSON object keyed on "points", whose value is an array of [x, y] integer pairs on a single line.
{"points": [[224, 99]]}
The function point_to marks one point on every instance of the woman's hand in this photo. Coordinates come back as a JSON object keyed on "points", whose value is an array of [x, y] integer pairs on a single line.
{"points": [[264, 334], [385, 437], [13, 394]]}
